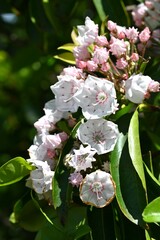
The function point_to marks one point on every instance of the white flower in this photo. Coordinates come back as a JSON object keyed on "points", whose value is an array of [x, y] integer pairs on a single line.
{"points": [[82, 158], [52, 113], [87, 33], [100, 134], [136, 87], [97, 98], [97, 189], [64, 91], [41, 178]]}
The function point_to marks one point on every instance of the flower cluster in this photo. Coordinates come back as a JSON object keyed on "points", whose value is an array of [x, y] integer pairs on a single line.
{"points": [[107, 71], [147, 15]]}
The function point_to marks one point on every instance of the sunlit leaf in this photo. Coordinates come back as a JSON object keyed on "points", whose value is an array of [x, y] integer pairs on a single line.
{"points": [[66, 57], [130, 194], [134, 147], [152, 211], [115, 161], [68, 47], [14, 170]]}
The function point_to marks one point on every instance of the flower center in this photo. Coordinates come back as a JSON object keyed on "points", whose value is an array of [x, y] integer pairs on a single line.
{"points": [[98, 137], [97, 187], [101, 97], [82, 158]]}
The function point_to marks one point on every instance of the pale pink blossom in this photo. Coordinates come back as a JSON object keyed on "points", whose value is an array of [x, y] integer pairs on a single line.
{"points": [[149, 4], [81, 64], [100, 55], [64, 91], [144, 36], [105, 67], [53, 141], [81, 53], [118, 47], [87, 33], [75, 179], [132, 34], [97, 189], [101, 41], [73, 71], [44, 124], [52, 113], [120, 32], [111, 25], [41, 178], [138, 14], [100, 134], [136, 87], [135, 57], [82, 158], [121, 63], [91, 65], [97, 97], [154, 86]]}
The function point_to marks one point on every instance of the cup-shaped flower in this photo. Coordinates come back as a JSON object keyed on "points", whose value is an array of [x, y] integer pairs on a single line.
{"points": [[97, 189], [82, 158], [64, 91], [97, 98], [87, 33], [136, 87], [41, 178], [100, 134]]}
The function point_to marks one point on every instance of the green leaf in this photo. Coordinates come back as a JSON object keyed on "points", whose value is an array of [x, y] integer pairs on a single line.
{"points": [[115, 162], [114, 10], [68, 47], [66, 57], [60, 186], [152, 211], [28, 216], [130, 193], [124, 110], [14, 170], [75, 227], [100, 10], [135, 149]]}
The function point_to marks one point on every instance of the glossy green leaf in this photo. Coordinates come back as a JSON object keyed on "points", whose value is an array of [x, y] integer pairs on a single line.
{"points": [[66, 57], [61, 189], [68, 47], [75, 227], [115, 162], [152, 211], [135, 149], [28, 216], [14, 170], [124, 110], [130, 193]]}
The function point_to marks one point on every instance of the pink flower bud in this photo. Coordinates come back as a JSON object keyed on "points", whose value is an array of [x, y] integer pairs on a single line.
{"points": [[154, 86], [111, 26], [121, 63], [101, 41], [81, 64], [91, 66], [144, 36], [134, 57]]}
